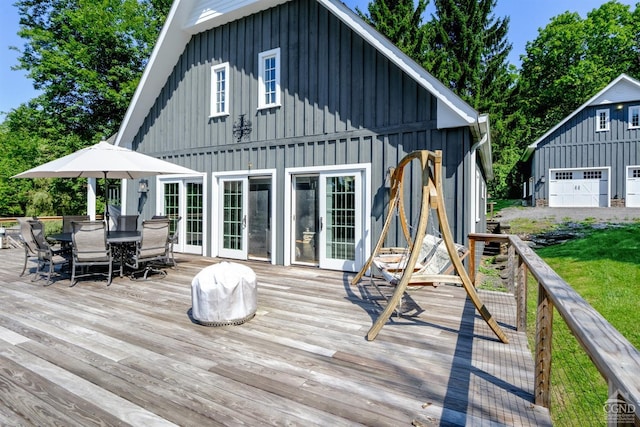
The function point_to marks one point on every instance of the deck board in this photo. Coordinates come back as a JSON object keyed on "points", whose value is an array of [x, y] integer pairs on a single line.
{"points": [[129, 354]]}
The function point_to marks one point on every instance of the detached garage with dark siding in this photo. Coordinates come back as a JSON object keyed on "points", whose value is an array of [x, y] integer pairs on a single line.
{"points": [[592, 157]]}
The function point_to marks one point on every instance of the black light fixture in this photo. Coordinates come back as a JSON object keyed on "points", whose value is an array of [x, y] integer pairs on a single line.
{"points": [[143, 186]]}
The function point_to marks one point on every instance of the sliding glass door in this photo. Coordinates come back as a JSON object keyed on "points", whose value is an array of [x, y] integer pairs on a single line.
{"points": [[327, 220], [245, 217]]}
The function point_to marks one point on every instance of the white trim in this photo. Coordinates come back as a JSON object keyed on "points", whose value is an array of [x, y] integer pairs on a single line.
{"points": [[201, 177], [124, 205], [215, 69], [621, 79], [607, 125], [476, 195], [262, 58], [626, 188], [365, 170], [91, 198], [633, 108], [215, 204]]}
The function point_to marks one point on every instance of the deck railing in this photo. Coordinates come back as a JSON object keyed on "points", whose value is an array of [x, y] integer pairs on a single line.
{"points": [[617, 360]]}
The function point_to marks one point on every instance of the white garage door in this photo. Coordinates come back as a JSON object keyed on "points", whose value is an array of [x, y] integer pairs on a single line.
{"points": [[633, 187], [579, 187]]}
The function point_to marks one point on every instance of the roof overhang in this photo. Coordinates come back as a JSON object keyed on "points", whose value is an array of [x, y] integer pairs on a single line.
{"points": [[622, 89], [187, 18]]}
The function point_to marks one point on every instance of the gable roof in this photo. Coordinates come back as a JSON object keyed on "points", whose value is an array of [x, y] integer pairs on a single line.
{"points": [[189, 17], [622, 89]]}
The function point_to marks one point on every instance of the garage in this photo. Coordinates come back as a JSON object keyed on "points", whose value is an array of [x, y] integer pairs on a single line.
{"points": [[632, 197], [588, 187]]}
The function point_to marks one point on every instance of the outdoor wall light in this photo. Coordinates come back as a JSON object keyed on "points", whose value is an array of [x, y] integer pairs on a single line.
{"points": [[143, 186]]}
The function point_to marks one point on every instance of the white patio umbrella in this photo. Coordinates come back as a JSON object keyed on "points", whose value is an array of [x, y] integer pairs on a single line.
{"points": [[104, 160]]}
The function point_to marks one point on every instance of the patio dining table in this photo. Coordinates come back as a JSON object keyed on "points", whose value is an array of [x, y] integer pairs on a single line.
{"points": [[121, 241]]}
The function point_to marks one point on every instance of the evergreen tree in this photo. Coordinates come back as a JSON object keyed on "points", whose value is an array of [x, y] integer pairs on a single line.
{"points": [[401, 23], [468, 51]]}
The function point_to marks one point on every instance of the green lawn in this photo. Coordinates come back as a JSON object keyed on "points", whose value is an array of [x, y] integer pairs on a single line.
{"points": [[604, 268]]}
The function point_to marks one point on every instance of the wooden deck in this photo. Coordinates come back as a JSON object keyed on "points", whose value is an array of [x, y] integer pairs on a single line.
{"points": [[129, 354]]}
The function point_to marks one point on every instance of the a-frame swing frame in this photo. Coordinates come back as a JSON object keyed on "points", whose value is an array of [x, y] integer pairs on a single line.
{"points": [[431, 164]]}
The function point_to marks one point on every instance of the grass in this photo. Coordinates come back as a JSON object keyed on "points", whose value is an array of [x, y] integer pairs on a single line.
{"points": [[489, 277], [532, 226], [604, 268], [505, 203]]}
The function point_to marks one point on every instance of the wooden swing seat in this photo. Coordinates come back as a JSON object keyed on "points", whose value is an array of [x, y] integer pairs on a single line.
{"points": [[433, 261], [428, 259]]}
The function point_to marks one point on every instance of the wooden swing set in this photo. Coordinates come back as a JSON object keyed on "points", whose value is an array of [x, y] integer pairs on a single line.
{"points": [[409, 268]]}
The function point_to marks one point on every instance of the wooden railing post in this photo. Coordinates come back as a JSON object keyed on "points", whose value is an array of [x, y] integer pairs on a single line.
{"points": [[544, 334], [511, 269], [521, 295]]}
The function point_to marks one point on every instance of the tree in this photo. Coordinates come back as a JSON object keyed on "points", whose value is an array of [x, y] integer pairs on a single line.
{"points": [[401, 23], [468, 51], [87, 56], [573, 58]]}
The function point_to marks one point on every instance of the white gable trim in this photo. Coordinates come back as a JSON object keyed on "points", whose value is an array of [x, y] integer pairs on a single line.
{"points": [[185, 19], [622, 89], [448, 101]]}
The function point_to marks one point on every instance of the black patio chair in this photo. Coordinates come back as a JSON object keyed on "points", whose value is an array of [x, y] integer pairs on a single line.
{"points": [[90, 249], [28, 242], [127, 223], [174, 221], [48, 256], [152, 249], [68, 219]]}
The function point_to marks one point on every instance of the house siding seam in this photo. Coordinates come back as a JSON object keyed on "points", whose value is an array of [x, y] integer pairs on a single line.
{"points": [[342, 103]]}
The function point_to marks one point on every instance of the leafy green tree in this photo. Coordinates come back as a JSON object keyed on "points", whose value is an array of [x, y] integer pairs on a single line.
{"points": [[401, 22], [573, 58], [27, 138], [86, 56]]}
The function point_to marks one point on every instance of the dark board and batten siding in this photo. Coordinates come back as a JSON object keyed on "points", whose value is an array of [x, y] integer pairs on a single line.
{"points": [[577, 144], [342, 102]]}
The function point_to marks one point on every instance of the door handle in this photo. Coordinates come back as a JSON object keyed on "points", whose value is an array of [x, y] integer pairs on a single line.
{"points": [[244, 222], [321, 225]]}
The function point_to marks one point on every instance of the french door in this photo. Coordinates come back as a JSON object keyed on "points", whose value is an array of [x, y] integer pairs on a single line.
{"points": [[327, 220], [184, 199], [245, 217]]}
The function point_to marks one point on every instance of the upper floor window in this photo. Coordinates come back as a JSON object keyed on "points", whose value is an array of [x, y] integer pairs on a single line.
{"points": [[602, 120], [634, 117], [269, 79], [220, 90]]}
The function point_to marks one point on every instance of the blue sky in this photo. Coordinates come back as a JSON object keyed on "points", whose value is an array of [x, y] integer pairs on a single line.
{"points": [[526, 18]]}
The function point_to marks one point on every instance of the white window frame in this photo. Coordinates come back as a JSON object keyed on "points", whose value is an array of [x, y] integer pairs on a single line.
{"points": [[600, 128], [262, 92], [634, 110], [215, 69]]}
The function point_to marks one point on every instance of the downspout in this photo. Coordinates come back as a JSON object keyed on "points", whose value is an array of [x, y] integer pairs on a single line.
{"points": [[474, 190]]}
